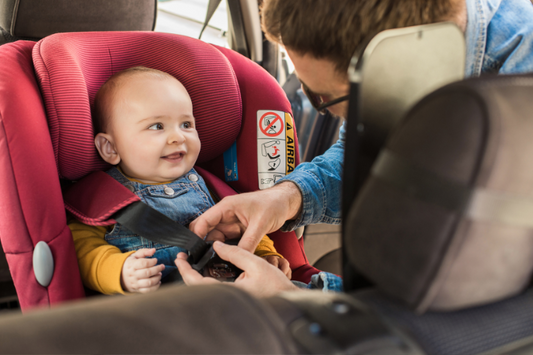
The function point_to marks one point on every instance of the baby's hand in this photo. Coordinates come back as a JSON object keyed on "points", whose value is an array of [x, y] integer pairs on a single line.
{"points": [[280, 263], [140, 274]]}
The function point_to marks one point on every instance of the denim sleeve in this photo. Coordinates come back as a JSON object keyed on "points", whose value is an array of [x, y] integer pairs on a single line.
{"points": [[326, 282], [509, 46], [320, 183]]}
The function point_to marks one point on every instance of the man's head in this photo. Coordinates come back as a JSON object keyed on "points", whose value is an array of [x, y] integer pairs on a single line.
{"points": [[321, 36], [144, 123]]}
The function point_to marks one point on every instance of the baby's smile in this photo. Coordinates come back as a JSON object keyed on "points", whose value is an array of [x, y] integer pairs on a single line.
{"points": [[174, 157]]}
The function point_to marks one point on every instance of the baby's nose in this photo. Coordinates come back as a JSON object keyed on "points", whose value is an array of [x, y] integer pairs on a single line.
{"points": [[176, 137]]}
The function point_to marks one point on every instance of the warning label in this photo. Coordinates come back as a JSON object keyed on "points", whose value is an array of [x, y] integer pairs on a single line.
{"points": [[275, 146], [271, 123], [289, 141]]}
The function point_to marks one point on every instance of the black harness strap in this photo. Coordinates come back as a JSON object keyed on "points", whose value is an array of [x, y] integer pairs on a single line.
{"points": [[143, 220]]}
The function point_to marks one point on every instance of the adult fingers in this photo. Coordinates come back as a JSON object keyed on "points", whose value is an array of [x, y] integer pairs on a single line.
{"points": [[208, 220], [189, 275], [259, 277], [215, 234], [229, 230], [239, 257], [252, 236], [285, 266], [273, 260]]}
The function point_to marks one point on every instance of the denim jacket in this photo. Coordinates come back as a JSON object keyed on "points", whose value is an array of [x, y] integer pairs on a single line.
{"points": [[183, 200], [499, 39]]}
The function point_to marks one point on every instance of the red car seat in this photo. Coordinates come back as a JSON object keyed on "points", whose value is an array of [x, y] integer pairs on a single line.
{"points": [[46, 136]]}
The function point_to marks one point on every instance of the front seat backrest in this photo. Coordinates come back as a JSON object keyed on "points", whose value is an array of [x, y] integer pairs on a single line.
{"points": [[444, 221], [36, 19]]}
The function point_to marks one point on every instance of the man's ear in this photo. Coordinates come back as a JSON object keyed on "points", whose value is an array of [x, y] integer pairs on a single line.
{"points": [[106, 148]]}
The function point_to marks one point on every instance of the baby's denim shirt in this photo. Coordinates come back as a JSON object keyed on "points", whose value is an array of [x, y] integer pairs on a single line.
{"points": [[183, 200]]}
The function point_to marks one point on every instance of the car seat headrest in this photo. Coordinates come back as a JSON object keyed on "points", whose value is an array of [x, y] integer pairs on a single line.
{"points": [[445, 220], [36, 19], [71, 67]]}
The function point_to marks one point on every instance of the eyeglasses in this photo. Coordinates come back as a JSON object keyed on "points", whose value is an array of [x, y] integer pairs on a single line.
{"points": [[318, 103]]}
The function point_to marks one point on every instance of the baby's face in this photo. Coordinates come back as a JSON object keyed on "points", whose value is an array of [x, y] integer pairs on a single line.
{"points": [[153, 128]]}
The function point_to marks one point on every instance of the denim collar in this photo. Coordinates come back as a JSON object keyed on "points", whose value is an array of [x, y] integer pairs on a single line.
{"points": [[120, 177]]}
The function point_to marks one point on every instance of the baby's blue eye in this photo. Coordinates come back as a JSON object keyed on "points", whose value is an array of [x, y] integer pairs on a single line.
{"points": [[156, 126], [186, 125]]}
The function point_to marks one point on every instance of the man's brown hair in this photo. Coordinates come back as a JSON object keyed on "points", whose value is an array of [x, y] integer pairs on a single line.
{"points": [[99, 110], [335, 29]]}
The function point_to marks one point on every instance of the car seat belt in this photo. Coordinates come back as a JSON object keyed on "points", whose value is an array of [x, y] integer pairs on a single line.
{"points": [[6, 37], [118, 204], [237, 23], [211, 8], [151, 224]]}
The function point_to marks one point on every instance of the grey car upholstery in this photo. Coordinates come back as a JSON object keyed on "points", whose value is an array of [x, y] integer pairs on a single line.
{"points": [[36, 19], [501, 327], [176, 319], [444, 221]]}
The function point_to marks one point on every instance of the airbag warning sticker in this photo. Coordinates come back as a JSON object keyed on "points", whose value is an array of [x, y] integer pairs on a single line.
{"points": [[275, 146]]}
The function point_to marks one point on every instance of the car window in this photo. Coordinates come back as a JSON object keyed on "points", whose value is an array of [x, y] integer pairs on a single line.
{"points": [[186, 17]]}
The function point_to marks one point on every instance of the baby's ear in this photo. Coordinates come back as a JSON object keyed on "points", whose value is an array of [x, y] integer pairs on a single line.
{"points": [[106, 148]]}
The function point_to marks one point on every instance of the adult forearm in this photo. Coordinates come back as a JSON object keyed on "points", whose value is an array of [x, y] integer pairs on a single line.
{"points": [[293, 197]]}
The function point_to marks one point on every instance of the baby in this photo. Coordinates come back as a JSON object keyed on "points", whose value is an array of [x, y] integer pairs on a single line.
{"points": [[145, 128]]}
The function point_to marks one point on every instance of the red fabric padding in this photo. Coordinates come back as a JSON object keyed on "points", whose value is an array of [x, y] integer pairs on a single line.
{"points": [[96, 197], [31, 207], [220, 188], [71, 67], [292, 248], [305, 271], [260, 91]]}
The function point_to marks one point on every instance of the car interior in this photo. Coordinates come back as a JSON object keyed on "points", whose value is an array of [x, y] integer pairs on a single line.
{"points": [[435, 250]]}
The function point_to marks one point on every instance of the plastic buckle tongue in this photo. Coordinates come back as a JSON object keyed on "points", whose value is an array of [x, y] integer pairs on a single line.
{"points": [[211, 265], [209, 254]]}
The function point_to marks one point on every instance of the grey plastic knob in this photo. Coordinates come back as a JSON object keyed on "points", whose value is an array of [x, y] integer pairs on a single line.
{"points": [[43, 264]]}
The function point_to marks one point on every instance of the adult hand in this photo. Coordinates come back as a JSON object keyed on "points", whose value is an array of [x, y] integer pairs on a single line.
{"points": [[250, 215], [259, 278], [140, 274], [280, 263]]}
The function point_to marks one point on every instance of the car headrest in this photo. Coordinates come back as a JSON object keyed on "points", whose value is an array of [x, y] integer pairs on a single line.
{"points": [[71, 67], [36, 19], [445, 221]]}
